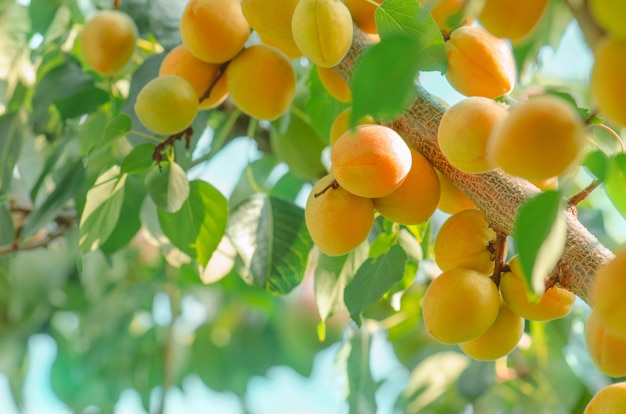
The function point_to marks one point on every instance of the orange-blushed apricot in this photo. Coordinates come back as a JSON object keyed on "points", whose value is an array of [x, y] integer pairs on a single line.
{"points": [[606, 347], [362, 12], [448, 14], [341, 124], [334, 84], [271, 19], [610, 399], [608, 84], [608, 293], [452, 200], [512, 19]]}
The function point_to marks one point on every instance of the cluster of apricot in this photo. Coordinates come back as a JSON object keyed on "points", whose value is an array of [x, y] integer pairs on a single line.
{"points": [[464, 306]]}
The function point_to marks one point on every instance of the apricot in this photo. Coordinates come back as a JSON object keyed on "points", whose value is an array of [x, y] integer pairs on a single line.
{"points": [[459, 305], [464, 241], [179, 61], [464, 131], [271, 19], [334, 84], [555, 302], [166, 105], [370, 161], [341, 124], [452, 200], [363, 12], [610, 14], [300, 147], [543, 138], [261, 82], [107, 41], [608, 293], [322, 29], [499, 340], [606, 347], [337, 220], [512, 19], [448, 14], [479, 64], [416, 199], [608, 85], [610, 399], [214, 30]]}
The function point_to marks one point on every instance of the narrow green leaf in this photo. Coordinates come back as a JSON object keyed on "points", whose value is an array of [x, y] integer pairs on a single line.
{"points": [[102, 209], [540, 232], [11, 134], [198, 226], [118, 127], [254, 179], [139, 159], [168, 187], [598, 164], [615, 182], [362, 386], [7, 231], [373, 279], [272, 240], [321, 107]]}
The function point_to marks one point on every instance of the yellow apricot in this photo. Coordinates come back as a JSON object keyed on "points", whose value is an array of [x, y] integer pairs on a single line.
{"points": [[610, 399], [108, 41], [606, 347], [540, 139], [166, 105], [370, 161], [608, 293], [271, 19], [610, 14], [337, 220], [464, 131], [179, 61], [291, 51], [334, 84], [214, 30], [452, 200], [322, 29], [551, 183], [459, 305], [362, 12], [512, 19], [555, 302], [448, 14], [464, 241], [416, 199], [261, 82], [341, 124], [479, 64], [608, 84], [499, 340]]}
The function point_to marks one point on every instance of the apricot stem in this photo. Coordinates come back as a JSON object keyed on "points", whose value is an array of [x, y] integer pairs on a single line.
{"points": [[157, 154], [614, 135], [116, 4], [220, 72], [333, 184], [499, 249], [582, 194]]}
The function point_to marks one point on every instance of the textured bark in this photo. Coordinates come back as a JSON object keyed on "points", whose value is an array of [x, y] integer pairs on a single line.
{"points": [[497, 194]]}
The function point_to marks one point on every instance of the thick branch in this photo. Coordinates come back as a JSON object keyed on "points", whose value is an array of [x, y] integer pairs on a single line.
{"points": [[495, 193]]}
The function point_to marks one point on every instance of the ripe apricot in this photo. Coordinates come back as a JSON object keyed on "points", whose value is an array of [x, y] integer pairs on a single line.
{"points": [[540, 139], [464, 131], [452, 200], [166, 105], [608, 84], [608, 293], [362, 12], [341, 124], [479, 64], [322, 29], [464, 241], [606, 347], [271, 19], [334, 84], [448, 14], [300, 147], [555, 302], [370, 161], [179, 61], [214, 30], [610, 399], [511, 18], [610, 14], [108, 41], [416, 199], [262, 82], [459, 305], [337, 220], [499, 340]]}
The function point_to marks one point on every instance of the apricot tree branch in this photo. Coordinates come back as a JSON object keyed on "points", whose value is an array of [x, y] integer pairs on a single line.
{"points": [[62, 225]]}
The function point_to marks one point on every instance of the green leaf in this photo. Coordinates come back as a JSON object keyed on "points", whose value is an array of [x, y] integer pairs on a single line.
{"points": [[406, 18], [11, 134], [615, 182], [272, 240], [373, 279], [361, 384], [384, 90], [6, 226], [254, 179], [118, 127], [102, 209], [598, 164], [42, 14], [540, 232], [168, 187], [139, 159], [198, 226]]}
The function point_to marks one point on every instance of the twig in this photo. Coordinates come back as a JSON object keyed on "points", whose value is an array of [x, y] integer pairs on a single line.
{"points": [[62, 225], [499, 252], [220, 72], [157, 155], [573, 201]]}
